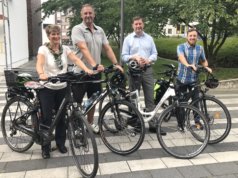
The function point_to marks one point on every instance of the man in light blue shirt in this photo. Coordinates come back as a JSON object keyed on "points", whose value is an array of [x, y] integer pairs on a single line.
{"points": [[140, 46]]}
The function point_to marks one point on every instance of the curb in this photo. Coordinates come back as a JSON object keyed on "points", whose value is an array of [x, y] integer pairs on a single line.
{"points": [[228, 84]]}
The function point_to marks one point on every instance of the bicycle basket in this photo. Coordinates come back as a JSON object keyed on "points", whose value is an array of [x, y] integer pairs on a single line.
{"points": [[211, 82], [10, 77]]}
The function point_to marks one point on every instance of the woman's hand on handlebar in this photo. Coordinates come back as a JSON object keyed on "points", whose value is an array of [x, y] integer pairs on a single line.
{"points": [[43, 76]]}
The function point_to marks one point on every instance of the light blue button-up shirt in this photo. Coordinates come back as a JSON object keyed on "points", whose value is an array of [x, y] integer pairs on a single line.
{"points": [[143, 46]]}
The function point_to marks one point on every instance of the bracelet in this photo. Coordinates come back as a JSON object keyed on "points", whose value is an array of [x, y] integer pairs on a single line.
{"points": [[115, 64]]}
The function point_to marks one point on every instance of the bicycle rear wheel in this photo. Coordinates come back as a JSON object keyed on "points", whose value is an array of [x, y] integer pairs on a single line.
{"points": [[218, 117], [185, 141], [14, 117], [83, 146], [121, 127]]}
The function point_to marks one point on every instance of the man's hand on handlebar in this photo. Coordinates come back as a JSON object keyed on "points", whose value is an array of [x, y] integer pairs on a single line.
{"points": [[208, 69], [117, 66]]}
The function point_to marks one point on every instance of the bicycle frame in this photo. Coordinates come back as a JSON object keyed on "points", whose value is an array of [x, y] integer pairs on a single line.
{"points": [[170, 92]]}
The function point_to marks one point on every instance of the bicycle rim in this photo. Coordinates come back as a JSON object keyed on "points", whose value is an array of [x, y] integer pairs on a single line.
{"points": [[218, 118], [121, 127], [17, 140], [187, 142], [83, 147]]}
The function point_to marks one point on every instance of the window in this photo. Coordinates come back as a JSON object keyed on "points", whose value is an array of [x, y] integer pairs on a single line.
{"points": [[169, 31]]}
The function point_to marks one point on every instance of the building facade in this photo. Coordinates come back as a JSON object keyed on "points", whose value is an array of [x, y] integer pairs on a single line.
{"points": [[20, 32]]}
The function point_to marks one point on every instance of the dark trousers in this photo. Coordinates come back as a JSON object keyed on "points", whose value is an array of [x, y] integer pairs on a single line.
{"points": [[49, 100], [183, 88]]}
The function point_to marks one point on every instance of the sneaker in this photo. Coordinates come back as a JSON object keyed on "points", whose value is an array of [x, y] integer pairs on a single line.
{"points": [[95, 128], [199, 125]]}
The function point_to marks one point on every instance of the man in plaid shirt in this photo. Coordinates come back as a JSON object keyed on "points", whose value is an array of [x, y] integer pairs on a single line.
{"points": [[189, 55]]}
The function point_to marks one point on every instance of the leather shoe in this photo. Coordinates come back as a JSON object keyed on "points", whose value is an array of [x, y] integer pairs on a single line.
{"points": [[62, 148], [45, 154]]}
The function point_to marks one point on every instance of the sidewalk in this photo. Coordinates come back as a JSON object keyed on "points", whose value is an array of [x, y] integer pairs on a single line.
{"points": [[231, 84]]}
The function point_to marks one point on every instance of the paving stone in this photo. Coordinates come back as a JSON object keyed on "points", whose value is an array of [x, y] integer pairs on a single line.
{"points": [[114, 167], [225, 176], [60, 162], [2, 167], [13, 175], [222, 168], [194, 171], [166, 173], [146, 164], [144, 174], [112, 157], [25, 165], [152, 153], [47, 173]]}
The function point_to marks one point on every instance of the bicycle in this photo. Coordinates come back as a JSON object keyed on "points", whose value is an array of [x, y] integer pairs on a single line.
{"points": [[21, 127], [115, 120], [216, 112], [186, 143]]}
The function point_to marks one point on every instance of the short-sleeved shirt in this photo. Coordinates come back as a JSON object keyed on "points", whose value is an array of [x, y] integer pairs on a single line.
{"points": [[194, 55], [94, 41], [50, 67]]}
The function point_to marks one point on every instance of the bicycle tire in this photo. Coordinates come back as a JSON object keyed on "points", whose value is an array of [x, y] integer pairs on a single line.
{"points": [[218, 116], [83, 146], [127, 129], [16, 139], [186, 143]]}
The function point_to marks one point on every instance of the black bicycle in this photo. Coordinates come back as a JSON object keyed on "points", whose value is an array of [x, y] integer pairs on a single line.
{"points": [[216, 112], [121, 125], [21, 127]]}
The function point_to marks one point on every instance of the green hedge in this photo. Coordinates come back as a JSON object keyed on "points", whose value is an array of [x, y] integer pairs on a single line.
{"points": [[227, 56]]}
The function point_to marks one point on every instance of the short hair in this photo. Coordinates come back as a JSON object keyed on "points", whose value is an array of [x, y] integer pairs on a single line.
{"points": [[191, 30], [137, 18], [52, 28], [87, 5]]}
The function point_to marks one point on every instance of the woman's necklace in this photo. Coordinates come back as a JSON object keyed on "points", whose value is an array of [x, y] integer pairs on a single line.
{"points": [[57, 55]]}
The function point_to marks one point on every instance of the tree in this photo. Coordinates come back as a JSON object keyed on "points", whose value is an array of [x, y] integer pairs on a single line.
{"points": [[108, 14], [217, 20]]}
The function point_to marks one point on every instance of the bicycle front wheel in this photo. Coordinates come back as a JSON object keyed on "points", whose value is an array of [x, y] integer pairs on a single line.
{"points": [[217, 115], [83, 146], [14, 119], [183, 140], [121, 127]]}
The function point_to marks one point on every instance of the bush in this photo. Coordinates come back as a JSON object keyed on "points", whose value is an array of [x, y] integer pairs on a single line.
{"points": [[227, 56]]}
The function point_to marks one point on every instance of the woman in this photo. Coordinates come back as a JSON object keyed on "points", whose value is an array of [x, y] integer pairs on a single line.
{"points": [[51, 61]]}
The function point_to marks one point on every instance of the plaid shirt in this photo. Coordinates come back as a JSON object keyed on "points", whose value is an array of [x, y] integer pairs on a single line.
{"points": [[194, 55]]}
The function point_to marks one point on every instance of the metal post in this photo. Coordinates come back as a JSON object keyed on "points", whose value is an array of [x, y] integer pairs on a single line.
{"points": [[122, 28], [5, 35], [9, 35]]}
